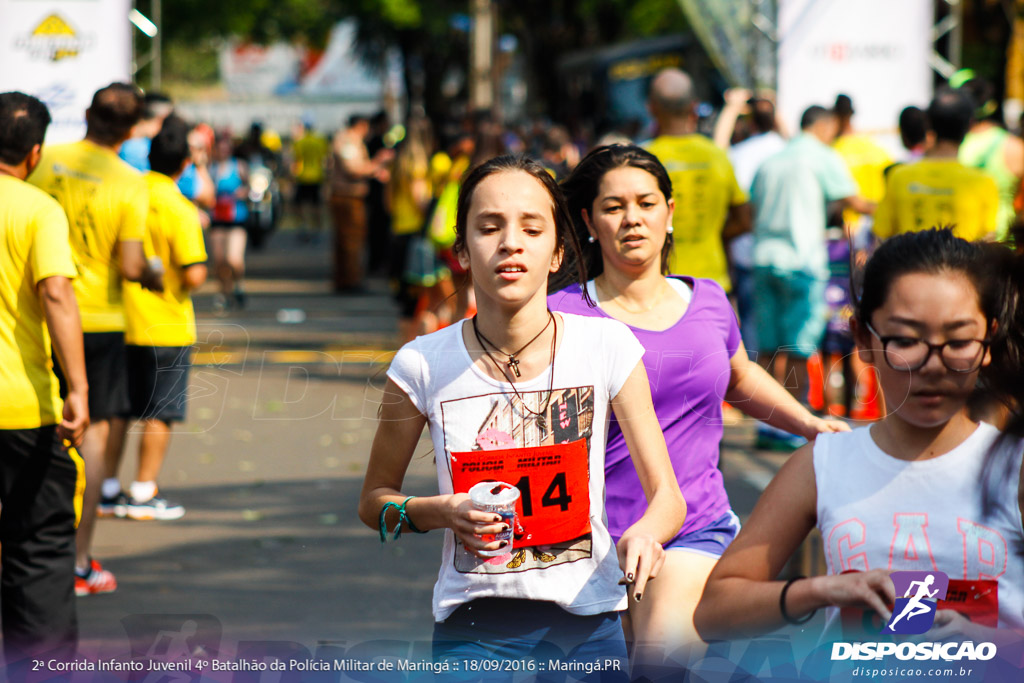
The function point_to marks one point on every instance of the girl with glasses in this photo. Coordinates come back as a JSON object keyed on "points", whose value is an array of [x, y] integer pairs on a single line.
{"points": [[925, 489]]}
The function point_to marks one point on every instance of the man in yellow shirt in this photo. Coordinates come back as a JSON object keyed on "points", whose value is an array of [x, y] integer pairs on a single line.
{"points": [[106, 201], [311, 152], [938, 190], [40, 472], [711, 209], [159, 332]]}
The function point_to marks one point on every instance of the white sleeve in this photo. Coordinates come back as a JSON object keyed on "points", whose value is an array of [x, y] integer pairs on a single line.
{"points": [[622, 351], [408, 371]]}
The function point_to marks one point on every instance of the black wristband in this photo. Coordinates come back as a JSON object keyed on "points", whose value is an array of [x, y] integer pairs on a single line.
{"points": [[782, 604]]}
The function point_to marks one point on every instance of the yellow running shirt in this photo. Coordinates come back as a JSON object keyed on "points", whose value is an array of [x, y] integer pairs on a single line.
{"points": [[934, 192], [105, 200], [704, 187], [174, 234], [311, 152], [33, 246], [867, 162]]}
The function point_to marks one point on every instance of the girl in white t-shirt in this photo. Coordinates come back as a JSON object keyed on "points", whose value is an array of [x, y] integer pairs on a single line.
{"points": [[522, 395], [927, 489]]}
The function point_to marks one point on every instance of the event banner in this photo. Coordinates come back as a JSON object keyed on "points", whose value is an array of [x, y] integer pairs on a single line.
{"points": [[62, 51], [875, 51]]}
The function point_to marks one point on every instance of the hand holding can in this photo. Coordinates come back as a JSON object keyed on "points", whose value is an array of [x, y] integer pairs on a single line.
{"points": [[499, 498]]}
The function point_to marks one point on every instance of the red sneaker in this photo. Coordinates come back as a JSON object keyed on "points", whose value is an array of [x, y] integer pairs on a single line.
{"points": [[97, 580]]}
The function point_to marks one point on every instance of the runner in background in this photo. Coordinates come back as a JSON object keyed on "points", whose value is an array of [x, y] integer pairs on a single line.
{"points": [[508, 394], [135, 150], [929, 322], [41, 475], [792, 192], [990, 147], [195, 181], [311, 152], [711, 209], [939, 189], [746, 156], [228, 236], [160, 331], [620, 198], [106, 202], [913, 125]]}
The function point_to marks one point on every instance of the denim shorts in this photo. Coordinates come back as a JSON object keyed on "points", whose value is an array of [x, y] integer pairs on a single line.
{"points": [[517, 639], [710, 540]]}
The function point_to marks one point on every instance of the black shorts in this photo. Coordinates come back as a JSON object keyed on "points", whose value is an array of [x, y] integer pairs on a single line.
{"points": [[158, 382], [106, 373], [307, 193], [40, 488]]}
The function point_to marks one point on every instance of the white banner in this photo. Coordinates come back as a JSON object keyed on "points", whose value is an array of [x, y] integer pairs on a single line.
{"points": [[875, 51], [63, 51]]}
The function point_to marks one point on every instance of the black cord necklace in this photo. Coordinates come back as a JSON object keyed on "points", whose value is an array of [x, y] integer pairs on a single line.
{"points": [[551, 378], [512, 362]]}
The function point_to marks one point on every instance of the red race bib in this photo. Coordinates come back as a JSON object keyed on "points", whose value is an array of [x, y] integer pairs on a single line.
{"points": [[553, 482]]}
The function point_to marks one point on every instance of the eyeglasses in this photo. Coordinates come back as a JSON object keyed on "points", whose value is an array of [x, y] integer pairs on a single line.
{"points": [[909, 353]]}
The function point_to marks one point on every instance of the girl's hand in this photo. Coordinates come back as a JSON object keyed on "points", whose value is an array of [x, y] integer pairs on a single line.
{"points": [[641, 558], [873, 590], [950, 624], [817, 425], [469, 524]]}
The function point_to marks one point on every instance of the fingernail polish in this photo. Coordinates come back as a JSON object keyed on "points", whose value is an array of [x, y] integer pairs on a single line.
{"points": [[504, 527], [638, 596], [497, 518], [503, 544], [629, 577]]}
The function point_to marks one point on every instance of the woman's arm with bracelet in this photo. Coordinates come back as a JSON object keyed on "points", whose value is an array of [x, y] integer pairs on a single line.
{"points": [[742, 597], [398, 431]]}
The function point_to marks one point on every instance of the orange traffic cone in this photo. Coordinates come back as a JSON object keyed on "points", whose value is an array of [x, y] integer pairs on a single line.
{"points": [[816, 380], [869, 404]]}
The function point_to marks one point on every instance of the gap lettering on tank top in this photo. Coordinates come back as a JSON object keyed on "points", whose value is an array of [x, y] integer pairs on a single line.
{"points": [[910, 547]]}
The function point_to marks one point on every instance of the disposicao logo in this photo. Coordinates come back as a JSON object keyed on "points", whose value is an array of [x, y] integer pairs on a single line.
{"points": [[914, 613]]}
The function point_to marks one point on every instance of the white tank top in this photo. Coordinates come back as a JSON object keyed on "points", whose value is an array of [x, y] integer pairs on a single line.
{"points": [[878, 512]]}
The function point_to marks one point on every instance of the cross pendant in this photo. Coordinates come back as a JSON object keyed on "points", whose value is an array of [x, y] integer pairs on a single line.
{"points": [[513, 365]]}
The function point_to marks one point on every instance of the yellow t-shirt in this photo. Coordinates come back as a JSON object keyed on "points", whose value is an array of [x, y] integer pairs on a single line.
{"points": [[173, 233], [105, 200], [704, 187], [310, 152], [33, 246], [867, 162], [407, 215], [935, 192]]}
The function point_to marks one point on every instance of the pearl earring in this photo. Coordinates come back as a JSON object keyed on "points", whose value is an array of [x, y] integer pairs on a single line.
{"points": [[670, 230], [591, 239]]}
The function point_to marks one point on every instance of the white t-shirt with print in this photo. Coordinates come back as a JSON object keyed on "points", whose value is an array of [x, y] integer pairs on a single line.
{"points": [[469, 411]]}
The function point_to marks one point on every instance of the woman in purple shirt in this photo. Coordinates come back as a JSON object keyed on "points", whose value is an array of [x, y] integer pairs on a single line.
{"points": [[621, 201]]}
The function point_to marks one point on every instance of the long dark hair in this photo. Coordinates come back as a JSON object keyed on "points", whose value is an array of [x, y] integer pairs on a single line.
{"points": [[581, 190], [573, 267]]}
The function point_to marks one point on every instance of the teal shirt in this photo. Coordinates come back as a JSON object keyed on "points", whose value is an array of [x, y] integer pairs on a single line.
{"points": [[790, 194]]}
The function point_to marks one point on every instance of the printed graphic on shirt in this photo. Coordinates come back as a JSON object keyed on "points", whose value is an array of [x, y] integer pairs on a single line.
{"points": [[541, 445]]}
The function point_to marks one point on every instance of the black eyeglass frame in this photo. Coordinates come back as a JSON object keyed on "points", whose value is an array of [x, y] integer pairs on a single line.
{"points": [[886, 340]]}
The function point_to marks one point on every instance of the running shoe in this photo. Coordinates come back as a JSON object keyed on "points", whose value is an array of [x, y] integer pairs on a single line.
{"points": [[220, 304], [96, 580], [155, 508], [115, 506]]}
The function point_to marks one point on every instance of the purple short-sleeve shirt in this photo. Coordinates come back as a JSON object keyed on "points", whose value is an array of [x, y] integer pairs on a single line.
{"points": [[688, 367]]}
